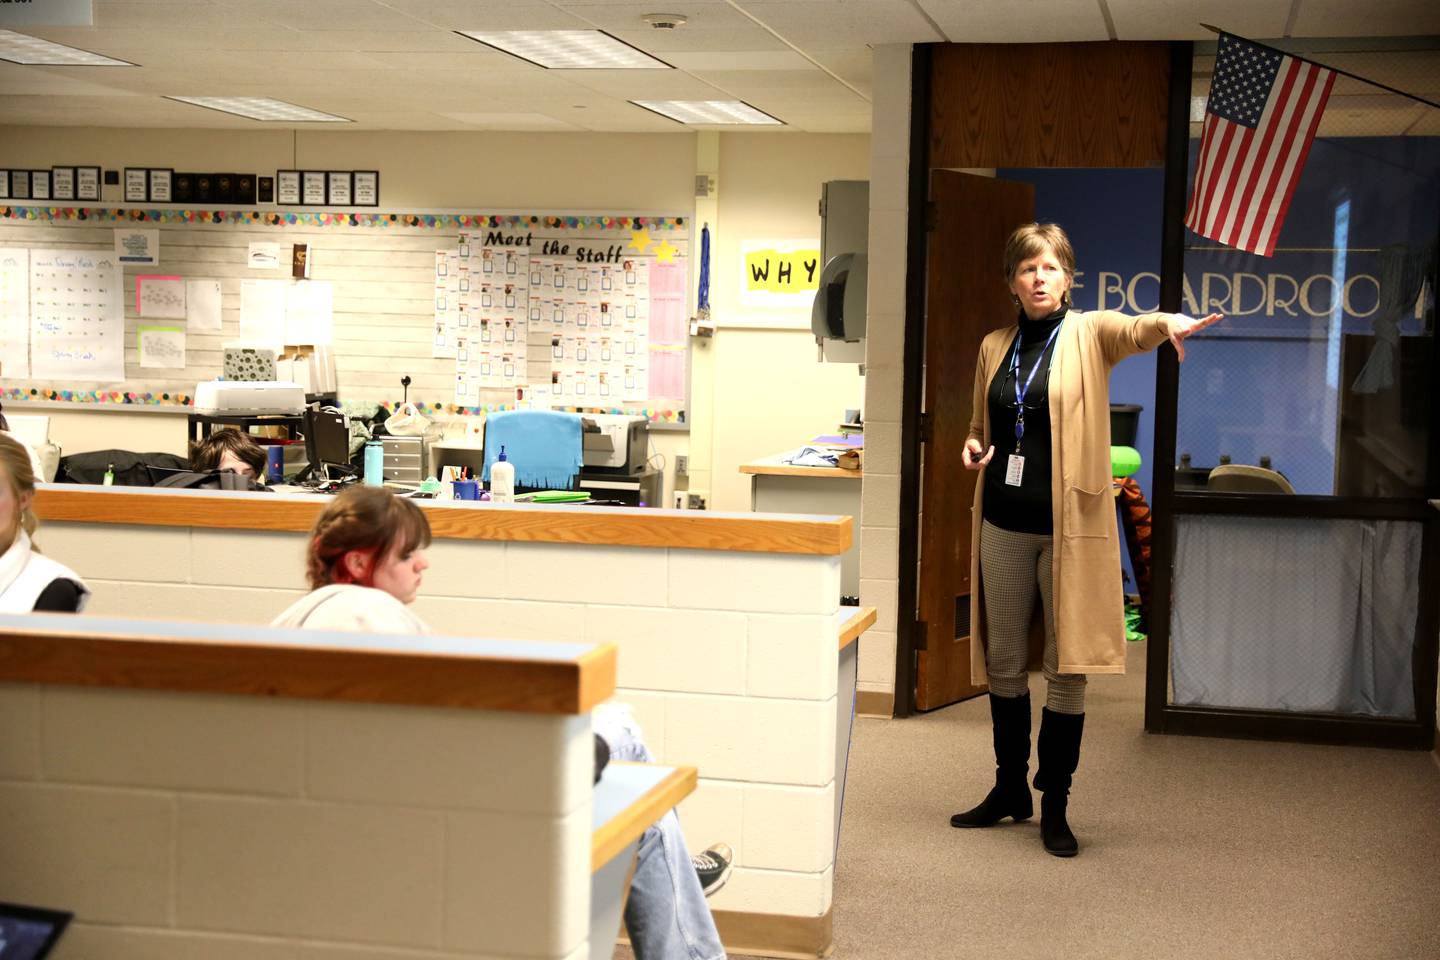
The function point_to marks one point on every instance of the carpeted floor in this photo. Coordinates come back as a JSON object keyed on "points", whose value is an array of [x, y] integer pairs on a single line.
{"points": [[1190, 847]]}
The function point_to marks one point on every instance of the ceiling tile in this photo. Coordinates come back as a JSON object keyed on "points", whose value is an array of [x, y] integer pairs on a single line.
{"points": [[1180, 19], [510, 121], [326, 14], [1374, 18], [1051, 21], [739, 60], [469, 15], [803, 22]]}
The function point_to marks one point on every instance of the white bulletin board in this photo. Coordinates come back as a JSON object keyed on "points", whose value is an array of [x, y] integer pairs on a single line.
{"points": [[397, 293]]}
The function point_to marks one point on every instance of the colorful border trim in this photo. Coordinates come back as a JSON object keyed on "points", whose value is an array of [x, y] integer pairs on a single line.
{"points": [[150, 399], [443, 221]]}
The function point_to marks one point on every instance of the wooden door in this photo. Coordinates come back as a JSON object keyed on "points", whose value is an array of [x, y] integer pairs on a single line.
{"points": [[966, 298]]}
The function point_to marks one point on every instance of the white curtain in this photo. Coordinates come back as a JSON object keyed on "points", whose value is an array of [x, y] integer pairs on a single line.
{"points": [[1298, 615]]}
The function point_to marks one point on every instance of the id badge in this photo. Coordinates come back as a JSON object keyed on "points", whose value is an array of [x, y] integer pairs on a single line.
{"points": [[1014, 470]]}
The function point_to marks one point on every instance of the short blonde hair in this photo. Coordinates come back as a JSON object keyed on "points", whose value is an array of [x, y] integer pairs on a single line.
{"points": [[20, 474], [1033, 239]]}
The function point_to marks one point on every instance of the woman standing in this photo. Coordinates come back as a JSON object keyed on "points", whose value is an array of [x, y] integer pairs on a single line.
{"points": [[29, 581], [1044, 519]]}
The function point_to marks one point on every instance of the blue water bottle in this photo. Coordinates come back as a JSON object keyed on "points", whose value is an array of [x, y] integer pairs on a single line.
{"points": [[374, 463]]}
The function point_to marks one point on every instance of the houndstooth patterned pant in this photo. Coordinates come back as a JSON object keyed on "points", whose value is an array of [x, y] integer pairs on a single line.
{"points": [[1011, 566]]}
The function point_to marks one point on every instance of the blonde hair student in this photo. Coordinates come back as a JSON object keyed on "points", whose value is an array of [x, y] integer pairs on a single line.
{"points": [[29, 581]]}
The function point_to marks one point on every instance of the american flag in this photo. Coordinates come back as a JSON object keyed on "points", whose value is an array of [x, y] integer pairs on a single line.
{"points": [[1259, 121]]}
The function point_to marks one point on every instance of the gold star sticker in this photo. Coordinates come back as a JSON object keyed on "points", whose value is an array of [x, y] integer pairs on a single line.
{"points": [[640, 240], [665, 252]]}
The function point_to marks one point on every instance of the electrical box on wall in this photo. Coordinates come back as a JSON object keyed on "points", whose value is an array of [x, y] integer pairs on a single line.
{"points": [[837, 316]]}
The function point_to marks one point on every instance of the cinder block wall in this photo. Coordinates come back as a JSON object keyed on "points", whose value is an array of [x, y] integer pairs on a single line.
{"points": [[727, 659], [194, 825]]}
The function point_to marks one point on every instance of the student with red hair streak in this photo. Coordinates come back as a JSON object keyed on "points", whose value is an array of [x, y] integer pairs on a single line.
{"points": [[365, 563]]}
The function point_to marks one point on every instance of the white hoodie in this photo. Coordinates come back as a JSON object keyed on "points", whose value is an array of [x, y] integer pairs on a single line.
{"points": [[347, 606]]}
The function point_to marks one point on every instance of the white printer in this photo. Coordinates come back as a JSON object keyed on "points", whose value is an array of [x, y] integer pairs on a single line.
{"points": [[249, 397], [614, 443]]}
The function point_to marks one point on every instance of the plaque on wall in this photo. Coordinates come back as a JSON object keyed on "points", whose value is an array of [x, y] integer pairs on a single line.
{"points": [[137, 184], [224, 187], [39, 184], [287, 187], [62, 183], [4, 184], [184, 187], [265, 189], [161, 182], [87, 183], [244, 188], [312, 188], [337, 188], [19, 184], [204, 187], [367, 188]]}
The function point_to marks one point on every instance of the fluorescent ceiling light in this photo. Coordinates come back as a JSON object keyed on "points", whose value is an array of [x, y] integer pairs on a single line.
{"points": [[262, 108], [568, 49], [32, 51], [708, 111]]}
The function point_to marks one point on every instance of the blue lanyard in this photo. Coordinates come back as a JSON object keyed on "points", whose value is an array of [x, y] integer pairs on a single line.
{"points": [[1022, 389]]}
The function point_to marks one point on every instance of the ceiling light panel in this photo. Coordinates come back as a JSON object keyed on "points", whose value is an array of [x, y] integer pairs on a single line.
{"points": [[32, 51], [709, 111], [568, 49], [262, 108]]}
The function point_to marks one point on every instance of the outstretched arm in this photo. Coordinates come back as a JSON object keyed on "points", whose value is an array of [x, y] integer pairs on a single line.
{"points": [[1122, 336]]}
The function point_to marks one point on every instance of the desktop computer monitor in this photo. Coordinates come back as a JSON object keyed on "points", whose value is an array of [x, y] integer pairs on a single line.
{"points": [[327, 441]]}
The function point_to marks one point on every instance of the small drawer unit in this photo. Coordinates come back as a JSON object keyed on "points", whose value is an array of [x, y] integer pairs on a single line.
{"points": [[404, 458]]}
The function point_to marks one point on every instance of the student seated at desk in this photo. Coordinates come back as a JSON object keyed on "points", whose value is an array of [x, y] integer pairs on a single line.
{"points": [[28, 580], [229, 449], [365, 564]]}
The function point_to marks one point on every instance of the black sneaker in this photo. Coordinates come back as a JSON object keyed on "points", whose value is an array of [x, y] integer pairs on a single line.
{"points": [[713, 867]]}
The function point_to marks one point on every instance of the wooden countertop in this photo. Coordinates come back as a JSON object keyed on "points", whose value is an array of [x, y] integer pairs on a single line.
{"points": [[777, 467], [628, 799], [458, 520], [857, 623], [478, 674]]}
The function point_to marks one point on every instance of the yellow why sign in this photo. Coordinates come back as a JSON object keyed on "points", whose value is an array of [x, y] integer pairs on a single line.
{"points": [[782, 271]]}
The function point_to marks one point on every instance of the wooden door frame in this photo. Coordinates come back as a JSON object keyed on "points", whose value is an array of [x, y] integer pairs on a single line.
{"points": [[909, 632]]}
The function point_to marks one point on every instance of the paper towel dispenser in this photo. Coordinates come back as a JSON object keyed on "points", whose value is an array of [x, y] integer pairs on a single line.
{"points": [[837, 315]]}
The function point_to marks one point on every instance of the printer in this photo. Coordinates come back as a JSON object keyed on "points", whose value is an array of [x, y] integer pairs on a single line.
{"points": [[229, 397], [613, 443]]}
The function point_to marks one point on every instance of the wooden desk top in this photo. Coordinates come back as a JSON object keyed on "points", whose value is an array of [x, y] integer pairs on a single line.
{"points": [[628, 799], [777, 467], [457, 519], [861, 620], [459, 672]]}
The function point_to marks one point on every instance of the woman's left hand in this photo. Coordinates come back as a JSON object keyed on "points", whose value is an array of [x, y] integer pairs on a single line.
{"points": [[1182, 326]]}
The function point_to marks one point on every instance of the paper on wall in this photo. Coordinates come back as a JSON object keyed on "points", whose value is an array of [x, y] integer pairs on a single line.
{"points": [[309, 312], [77, 315], [262, 313], [161, 347], [263, 256], [202, 304], [137, 247], [160, 297], [14, 312]]}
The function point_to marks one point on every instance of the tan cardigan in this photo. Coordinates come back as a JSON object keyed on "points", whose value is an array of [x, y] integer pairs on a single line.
{"points": [[1089, 608]]}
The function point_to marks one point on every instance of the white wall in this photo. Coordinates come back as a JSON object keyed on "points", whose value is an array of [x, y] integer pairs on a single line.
{"points": [[885, 365], [728, 659], [757, 392], [195, 825]]}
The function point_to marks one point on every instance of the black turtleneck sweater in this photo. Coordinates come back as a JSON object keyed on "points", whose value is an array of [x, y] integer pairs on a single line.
{"points": [[1026, 508]]}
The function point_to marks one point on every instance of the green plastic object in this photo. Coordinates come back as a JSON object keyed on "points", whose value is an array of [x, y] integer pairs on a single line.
{"points": [[561, 496], [1124, 461]]}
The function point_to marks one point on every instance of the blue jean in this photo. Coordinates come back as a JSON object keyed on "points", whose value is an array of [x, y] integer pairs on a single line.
{"points": [[666, 914]]}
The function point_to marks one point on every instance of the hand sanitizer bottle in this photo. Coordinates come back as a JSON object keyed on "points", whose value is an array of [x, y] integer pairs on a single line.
{"points": [[502, 480]]}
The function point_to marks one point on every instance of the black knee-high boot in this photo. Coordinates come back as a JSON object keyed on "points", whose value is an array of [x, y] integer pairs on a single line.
{"points": [[1057, 754], [1010, 797]]}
